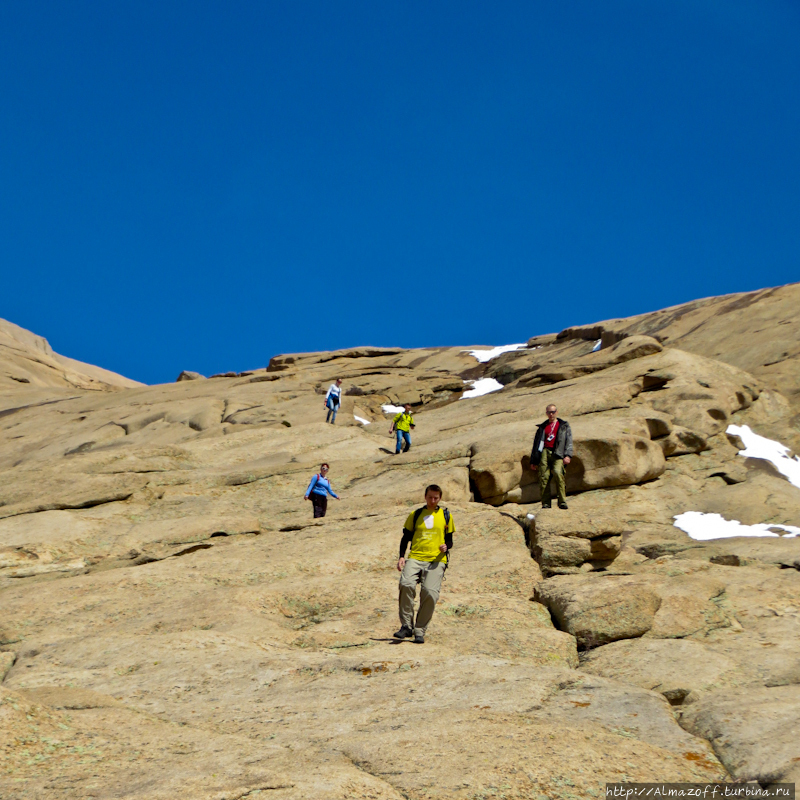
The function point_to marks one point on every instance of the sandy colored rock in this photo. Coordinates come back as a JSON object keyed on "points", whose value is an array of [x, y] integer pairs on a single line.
{"points": [[27, 360], [188, 375], [673, 667], [561, 543], [754, 732], [168, 598], [598, 612]]}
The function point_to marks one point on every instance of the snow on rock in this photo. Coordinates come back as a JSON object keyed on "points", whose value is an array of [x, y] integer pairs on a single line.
{"points": [[482, 386], [488, 355], [390, 409], [704, 527], [361, 420], [776, 453], [597, 345]]}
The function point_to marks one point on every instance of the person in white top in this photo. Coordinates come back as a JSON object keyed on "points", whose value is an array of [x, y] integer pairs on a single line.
{"points": [[332, 400]]}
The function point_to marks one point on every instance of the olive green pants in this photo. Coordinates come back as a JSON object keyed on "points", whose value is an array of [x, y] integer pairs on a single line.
{"points": [[429, 575], [550, 465]]}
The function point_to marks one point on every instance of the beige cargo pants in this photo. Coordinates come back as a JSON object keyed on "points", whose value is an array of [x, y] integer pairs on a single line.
{"points": [[550, 465], [429, 575]]}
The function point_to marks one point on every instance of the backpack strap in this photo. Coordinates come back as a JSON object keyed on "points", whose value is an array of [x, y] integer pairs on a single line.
{"points": [[420, 510], [313, 484]]}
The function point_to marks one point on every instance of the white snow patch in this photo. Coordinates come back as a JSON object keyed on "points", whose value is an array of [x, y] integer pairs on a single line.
{"points": [[482, 386], [704, 527], [488, 355], [361, 420], [597, 345], [776, 453], [390, 409]]}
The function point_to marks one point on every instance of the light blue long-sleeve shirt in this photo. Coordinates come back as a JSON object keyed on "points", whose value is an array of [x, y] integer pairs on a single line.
{"points": [[321, 485]]}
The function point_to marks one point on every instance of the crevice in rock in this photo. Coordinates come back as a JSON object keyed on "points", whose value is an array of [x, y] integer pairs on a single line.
{"points": [[473, 487], [525, 528], [727, 478], [292, 528], [112, 498], [189, 550], [675, 697], [367, 768], [8, 411]]}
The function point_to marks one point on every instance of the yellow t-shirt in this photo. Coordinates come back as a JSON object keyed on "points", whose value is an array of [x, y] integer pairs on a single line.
{"points": [[429, 535], [403, 422]]}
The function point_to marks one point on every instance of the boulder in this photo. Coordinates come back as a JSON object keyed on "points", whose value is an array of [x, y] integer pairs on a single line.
{"points": [[188, 375], [595, 611], [753, 731], [673, 667], [562, 543]]}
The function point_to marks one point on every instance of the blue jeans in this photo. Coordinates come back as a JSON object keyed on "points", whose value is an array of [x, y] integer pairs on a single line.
{"points": [[332, 409], [400, 436]]}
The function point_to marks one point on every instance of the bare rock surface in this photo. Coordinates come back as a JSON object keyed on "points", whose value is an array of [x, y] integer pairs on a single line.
{"points": [[27, 360], [753, 731], [169, 600]]}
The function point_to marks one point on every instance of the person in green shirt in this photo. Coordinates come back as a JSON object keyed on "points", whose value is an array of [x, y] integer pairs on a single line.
{"points": [[402, 425], [429, 530]]}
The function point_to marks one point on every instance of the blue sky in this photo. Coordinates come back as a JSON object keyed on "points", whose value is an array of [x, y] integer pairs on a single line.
{"points": [[201, 185]]}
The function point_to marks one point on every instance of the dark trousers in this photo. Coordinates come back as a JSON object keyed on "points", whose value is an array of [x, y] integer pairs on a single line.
{"points": [[320, 503]]}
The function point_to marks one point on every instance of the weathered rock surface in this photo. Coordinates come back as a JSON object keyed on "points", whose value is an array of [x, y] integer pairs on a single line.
{"points": [[27, 360], [188, 375], [169, 599], [754, 732]]}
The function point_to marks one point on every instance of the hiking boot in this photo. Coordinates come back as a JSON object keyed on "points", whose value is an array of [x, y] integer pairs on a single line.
{"points": [[546, 505], [419, 638], [563, 505], [403, 633]]}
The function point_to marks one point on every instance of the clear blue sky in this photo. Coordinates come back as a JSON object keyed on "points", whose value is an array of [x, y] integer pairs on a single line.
{"points": [[201, 185]]}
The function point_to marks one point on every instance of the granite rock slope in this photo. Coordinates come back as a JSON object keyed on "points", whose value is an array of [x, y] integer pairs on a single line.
{"points": [[175, 621], [28, 360]]}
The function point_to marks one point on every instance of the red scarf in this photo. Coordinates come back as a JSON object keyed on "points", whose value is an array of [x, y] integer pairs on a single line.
{"points": [[550, 434]]}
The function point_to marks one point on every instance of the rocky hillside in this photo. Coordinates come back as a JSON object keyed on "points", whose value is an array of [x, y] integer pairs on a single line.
{"points": [[28, 360], [175, 623]]}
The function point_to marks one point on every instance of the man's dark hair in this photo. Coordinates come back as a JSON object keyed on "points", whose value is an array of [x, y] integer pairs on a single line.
{"points": [[433, 488]]}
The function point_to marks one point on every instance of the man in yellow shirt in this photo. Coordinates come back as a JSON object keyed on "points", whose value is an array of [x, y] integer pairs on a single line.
{"points": [[402, 425], [430, 531]]}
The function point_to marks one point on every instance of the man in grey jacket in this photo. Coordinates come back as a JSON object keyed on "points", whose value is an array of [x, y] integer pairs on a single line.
{"points": [[552, 451]]}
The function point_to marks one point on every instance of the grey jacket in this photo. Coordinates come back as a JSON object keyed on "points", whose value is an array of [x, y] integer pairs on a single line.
{"points": [[563, 446]]}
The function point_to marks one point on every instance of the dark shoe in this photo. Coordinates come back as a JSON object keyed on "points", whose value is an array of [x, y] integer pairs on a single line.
{"points": [[546, 505], [419, 638], [403, 633], [563, 505]]}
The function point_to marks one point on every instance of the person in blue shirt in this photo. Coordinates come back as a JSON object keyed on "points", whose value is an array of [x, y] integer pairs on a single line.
{"points": [[319, 489], [332, 400]]}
